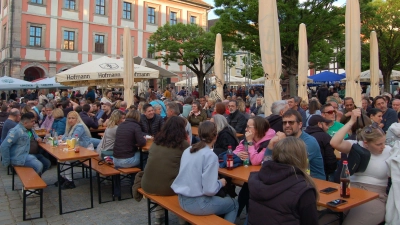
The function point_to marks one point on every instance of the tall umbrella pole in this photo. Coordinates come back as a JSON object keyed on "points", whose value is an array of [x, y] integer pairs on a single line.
{"points": [[128, 67], [353, 50], [270, 46], [303, 63], [374, 65], [219, 66]]}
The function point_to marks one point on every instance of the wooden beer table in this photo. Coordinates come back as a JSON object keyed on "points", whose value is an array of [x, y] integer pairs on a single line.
{"points": [[195, 132], [62, 156], [357, 196]]}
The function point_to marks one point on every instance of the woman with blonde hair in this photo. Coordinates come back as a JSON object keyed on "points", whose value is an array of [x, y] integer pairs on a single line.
{"points": [[374, 178], [108, 140], [59, 122], [282, 191]]}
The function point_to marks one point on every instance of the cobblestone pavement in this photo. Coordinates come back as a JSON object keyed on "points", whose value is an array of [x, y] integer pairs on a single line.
{"points": [[118, 212]]}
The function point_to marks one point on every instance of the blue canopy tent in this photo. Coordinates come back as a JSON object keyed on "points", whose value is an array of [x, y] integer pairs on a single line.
{"points": [[326, 77]]}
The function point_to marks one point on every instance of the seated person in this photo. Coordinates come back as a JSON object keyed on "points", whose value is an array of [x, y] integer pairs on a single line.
{"points": [[197, 182], [197, 115], [282, 191], [150, 122], [59, 122], [226, 135], [88, 118], [108, 140], [129, 137], [18, 147], [236, 119]]}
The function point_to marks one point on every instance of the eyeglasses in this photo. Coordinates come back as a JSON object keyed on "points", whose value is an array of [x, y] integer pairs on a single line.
{"points": [[330, 112], [368, 129], [291, 123]]}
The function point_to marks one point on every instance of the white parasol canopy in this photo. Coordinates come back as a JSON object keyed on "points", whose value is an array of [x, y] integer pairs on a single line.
{"points": [[232, 80], [49, 82], [303, 63], [102, 71], [11, 83], [353, 50], [219, 66], [270, 46], [374, 65]]}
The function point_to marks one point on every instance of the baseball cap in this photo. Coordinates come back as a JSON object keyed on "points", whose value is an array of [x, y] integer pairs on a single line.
{"points": [[315, 119]]}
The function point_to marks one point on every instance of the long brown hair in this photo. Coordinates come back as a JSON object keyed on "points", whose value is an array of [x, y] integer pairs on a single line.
{"points": [[292, 151], [207, 133], [172, 134]]}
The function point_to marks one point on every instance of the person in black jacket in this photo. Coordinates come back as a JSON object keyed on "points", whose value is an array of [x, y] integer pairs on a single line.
{"points": [[278, 108], [322, 94], [282, 192], [226, 135], [317, 127], [150, 122], [236, 119], [88, 118], [128, 138]]}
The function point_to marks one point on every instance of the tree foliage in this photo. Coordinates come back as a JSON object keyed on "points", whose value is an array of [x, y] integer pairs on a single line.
{"points": [[325, 23], [384, 18], [187, 44]]}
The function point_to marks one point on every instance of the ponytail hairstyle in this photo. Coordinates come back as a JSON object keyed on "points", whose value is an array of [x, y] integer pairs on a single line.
{"points": [[207, 133]]}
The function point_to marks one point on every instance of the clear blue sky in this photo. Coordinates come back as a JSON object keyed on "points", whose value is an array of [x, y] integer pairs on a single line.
{"points": [[211, 15]]}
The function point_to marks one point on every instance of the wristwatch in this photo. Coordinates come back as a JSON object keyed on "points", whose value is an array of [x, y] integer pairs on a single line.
{"points": [[250, 143]]}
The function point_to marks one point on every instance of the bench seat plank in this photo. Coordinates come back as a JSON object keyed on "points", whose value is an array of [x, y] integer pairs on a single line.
{"points": [[104, 169], [171, 203], [29, 178]]}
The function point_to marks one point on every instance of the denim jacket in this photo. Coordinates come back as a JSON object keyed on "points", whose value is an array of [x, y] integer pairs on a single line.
{"points": [[84, 139], [15, 148]]}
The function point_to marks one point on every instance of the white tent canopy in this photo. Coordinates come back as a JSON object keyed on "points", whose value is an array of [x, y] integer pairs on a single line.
{"points": [[365, 76], [11, 83], [102, 71], [232, 80], [261, 80], [49, 82]]}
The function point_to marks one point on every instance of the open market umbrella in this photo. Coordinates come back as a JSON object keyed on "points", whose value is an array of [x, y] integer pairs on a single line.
{"points": [[270, 46], [219, 66], [49, 82], [128, 67], [11, 83], [353, 50], [374, 65], [303, 63]]}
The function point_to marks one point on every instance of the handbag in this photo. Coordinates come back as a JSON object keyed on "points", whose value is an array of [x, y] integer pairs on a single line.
{"points": [[358, 157]]}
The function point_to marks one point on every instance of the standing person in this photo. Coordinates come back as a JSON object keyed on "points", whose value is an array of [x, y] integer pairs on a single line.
{"points": [[150, 122], [164, 160], [282, 191], [374, 178], [197, 182], [167, 93], [128, 138], [110, 134], [389, 115], [313, 109], [322, 94], [16, 145], [13, 95], [197, 115]]}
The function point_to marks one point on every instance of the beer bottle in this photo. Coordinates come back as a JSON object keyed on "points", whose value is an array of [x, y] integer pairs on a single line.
{"points": [[345, 181]]}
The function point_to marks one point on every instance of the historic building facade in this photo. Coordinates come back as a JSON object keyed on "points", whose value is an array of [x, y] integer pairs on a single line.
{"points": [[40, 38]]}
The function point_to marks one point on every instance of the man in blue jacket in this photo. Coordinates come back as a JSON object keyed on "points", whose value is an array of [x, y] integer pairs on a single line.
{"points": [[16, 146]]}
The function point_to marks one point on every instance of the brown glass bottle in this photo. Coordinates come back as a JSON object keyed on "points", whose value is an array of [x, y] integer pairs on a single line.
{"points": [[345, 181]]}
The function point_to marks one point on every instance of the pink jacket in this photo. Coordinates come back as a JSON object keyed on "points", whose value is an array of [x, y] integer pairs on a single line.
{"points": [[255, 157]]}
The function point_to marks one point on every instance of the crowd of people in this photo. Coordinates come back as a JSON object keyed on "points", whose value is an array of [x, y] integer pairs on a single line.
{"points": [[294, 144]]}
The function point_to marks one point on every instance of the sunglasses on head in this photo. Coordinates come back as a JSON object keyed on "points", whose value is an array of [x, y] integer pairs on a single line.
{"points": [[330, 112], [368, 129]]}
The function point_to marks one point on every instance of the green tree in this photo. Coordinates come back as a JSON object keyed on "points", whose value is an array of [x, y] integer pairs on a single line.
{"points": [[385, 20], [189, 45], [239, 23], [256, 67]]}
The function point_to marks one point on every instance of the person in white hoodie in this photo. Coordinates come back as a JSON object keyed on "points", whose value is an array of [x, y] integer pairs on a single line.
{"points": [[393, 134]]}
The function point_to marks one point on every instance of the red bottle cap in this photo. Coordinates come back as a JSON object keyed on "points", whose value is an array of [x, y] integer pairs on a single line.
{"points": [[345, 162], [229, 146]]}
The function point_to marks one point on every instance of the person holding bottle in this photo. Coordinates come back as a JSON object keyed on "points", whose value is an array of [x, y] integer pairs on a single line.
{"points": [[374, 178], [197, 182]]}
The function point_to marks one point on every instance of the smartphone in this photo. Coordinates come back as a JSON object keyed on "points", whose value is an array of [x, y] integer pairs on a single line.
{"points": [[336, 203], [328, 190]]}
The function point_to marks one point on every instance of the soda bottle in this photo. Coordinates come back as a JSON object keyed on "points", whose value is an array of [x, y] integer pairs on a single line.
{"points": [[345, 181], [229, 158], [55, 138], [246, 160]]}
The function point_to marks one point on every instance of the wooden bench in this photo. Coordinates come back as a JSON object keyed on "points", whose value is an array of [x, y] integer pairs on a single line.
{"points": [[126, 174], [32, 184], [107, 172], [171, 203]]}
